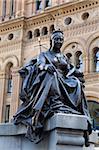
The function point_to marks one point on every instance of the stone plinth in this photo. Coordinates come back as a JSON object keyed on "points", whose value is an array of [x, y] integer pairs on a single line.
{"points": [[93, 139], [64, 132]]}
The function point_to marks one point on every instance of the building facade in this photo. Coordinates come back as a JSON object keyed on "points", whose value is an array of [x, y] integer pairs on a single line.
{"points": [[25, 28]]}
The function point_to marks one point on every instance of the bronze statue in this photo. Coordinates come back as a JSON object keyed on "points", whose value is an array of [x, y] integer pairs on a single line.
{"points": [[50, 84]]}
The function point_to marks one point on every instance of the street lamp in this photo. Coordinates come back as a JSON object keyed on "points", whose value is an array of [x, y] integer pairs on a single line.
{"points": [[39, 40]]}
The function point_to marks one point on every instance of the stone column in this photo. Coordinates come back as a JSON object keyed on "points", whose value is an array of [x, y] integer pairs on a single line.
{"points": [[8, 9], [55, 2], [15, 92], [29, 8], [1, 7], [86, 64], [18, 8], [34, 7], [22, 8], [43, 5], [92, 64], [2, 90]]}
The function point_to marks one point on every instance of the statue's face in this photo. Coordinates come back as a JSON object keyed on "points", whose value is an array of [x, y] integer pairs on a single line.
{"points": [[57, 41]]}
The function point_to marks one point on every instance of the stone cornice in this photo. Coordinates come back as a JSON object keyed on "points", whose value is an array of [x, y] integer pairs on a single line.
{"points": [[48, 15], [73, 7], [79, 29], [11, 25], [51, 13], [39, 19], [74, 30]]}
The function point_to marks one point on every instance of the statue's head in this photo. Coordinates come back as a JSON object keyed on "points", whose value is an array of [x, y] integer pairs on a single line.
{"points": [[56, 40]]}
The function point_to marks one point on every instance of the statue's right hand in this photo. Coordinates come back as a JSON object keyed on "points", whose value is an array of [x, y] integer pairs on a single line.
{"points": [[50, 68]]}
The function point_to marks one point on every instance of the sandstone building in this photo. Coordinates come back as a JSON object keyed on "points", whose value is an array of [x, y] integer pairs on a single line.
{"points": [[25, 28]]}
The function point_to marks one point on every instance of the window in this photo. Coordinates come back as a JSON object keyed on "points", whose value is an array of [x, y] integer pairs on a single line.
{"points": [[44, 31], [47, 3], [29, 34], [7, 113], [38, 5], [9, 85], [85, 16], [10, 36], [11, 8], [52, 28], [9, 78], [69, 55], [96, 59], [4, 10], [36, 33], [68, 21], [79, 60], [94, 112]]}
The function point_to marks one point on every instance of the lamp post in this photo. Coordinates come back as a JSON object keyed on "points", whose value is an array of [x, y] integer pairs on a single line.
{"points": [[41, 45], [39, 40]]}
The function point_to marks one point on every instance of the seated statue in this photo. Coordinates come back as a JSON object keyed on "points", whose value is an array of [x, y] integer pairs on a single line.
{"points": [[50, 85]]}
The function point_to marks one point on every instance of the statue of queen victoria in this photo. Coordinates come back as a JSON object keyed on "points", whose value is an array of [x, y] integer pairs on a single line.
{"points": [[50, 85]]}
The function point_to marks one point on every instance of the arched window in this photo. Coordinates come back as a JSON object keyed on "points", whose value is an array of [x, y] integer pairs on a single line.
{"points": [[44, 31], [9, 77], [38, 5], [29, 35], [79, 60], [94, 112], [8, 91], [96, 59], [36, 33], [52, 28], [7, 113], [69, 55], [47, 3]]}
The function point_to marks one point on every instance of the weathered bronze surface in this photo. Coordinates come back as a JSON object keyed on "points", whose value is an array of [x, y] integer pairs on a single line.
{"points": [[50, 84]]}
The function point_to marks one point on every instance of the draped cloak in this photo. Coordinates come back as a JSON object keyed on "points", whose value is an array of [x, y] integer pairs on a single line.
{"points": [[44, 94]]}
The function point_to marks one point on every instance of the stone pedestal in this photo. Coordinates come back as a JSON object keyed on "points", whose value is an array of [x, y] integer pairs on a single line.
{"points": [[93, 139], [64, 132]]}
